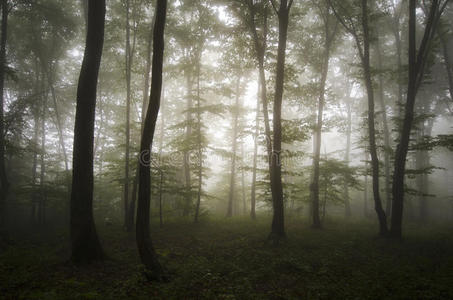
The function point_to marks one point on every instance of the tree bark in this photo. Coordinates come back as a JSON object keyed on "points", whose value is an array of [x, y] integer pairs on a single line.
{"points": [[347, 204], [199, 141], [4, 188], [416, 70], [365, 57], [328, 39], [255, 155], [144, 243], [129, 60], [186, 162], [387, 147], [278, 222], [132, 204], [231, 193], [85, 244], [42, 188]]}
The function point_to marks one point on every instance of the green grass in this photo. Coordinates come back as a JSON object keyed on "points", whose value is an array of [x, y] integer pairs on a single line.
{"points": [[230, 259]]}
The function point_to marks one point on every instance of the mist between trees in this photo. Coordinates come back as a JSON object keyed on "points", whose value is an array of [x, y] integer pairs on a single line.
{"points": [[123, 113]]}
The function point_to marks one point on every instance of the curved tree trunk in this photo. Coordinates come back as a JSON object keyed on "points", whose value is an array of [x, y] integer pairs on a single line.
{"points": [[132, 204], [85, 244], [371, 123], [145, 247]]}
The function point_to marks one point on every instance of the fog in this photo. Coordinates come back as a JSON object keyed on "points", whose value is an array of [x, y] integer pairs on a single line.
{"points": [[163, 136]]}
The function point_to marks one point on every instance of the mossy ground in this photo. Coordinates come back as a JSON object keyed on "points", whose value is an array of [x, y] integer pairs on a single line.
{"points": [[230, 259]]}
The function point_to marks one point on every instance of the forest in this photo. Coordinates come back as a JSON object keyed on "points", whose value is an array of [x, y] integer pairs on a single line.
{"points": [[226, 149]]}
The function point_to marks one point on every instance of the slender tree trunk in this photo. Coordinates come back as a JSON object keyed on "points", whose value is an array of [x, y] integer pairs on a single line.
{"points": [[145, 247], [161, 147], [387, 147], [42, 188], [244, 201], [448, 63], [318, 130], [255, 155], [347, 204], [260, 51], [4, 188], [129, 58], [231, 197], [365, 190], [371, 123], [186, 162], [84, 239], [278, 222], [200, 148], [34, 168]]}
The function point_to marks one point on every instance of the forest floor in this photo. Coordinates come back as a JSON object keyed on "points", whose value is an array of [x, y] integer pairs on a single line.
{"points": [[230, 259]]}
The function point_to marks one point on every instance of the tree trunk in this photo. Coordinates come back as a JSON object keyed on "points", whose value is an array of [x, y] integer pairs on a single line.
{"points": [[278, 222], [448, 63], [4, 188], [129, 60], [145, 247], [255, 154], [42, 188], [260, 51], [318, 129], [235, 110], [365, 57], [365, 190], [244, 201], [186, 162], [387, 147], [416, 68], [84, 239], [347, 204], [199, 140], [131, 209]]}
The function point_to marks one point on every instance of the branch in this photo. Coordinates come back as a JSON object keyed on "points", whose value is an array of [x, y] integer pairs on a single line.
{"points": [[275, 7]]}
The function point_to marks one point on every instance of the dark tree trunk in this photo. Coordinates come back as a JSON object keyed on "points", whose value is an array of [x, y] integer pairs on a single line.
{"points": [[4, 188], [416, 68], [145, 247], [131, 210], [278, 222], [255, 154], [85, 244], [365, 57], [231, 193]]}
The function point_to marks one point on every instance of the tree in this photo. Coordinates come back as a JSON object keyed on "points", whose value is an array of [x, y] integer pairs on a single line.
{"points": [[330, 31], [278, 225], [417, 62], [85, 244], [352, 18], [4, 188], [144, 243]]}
